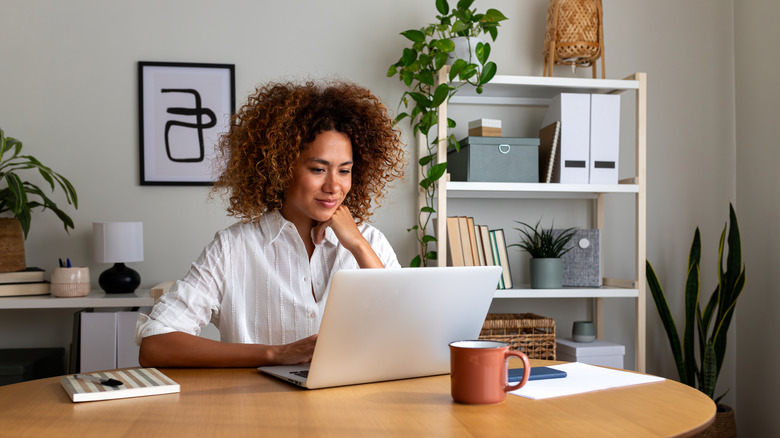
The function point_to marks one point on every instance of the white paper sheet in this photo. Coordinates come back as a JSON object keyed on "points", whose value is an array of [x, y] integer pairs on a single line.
{"points": [[582, 378]]}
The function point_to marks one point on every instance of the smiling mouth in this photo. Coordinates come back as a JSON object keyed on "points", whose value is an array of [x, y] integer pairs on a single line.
{"points": [[328, 203]]}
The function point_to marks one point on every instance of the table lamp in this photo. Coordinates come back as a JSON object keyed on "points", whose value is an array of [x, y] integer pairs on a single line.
{"points": [[118, 243]]}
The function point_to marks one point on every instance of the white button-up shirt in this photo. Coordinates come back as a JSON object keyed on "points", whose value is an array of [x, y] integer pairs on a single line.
{"points": [[256, 284]]}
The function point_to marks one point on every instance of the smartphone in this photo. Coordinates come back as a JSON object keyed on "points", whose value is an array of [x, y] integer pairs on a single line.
{"points": [[537, 373]]}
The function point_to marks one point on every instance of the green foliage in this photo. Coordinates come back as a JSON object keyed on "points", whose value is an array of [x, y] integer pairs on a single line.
{"points": [[708, 327], [17, 196], [543, 244], [417, 68]]}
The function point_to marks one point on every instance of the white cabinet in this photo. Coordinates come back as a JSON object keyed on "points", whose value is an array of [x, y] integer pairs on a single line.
{"points": [[537, 91]]}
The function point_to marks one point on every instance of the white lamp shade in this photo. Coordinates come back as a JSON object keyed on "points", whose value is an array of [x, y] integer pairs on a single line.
{"points": [[118, 242]]}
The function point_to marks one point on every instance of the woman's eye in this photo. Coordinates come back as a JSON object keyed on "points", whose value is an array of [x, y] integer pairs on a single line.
{"points": [[317, 170], [345, 171]]}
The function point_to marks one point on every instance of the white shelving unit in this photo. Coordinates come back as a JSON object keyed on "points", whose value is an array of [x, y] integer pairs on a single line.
{"points": [[536, 91]]}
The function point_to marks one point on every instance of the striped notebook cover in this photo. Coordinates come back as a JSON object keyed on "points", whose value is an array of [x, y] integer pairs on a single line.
{"points": [[136, 382]]}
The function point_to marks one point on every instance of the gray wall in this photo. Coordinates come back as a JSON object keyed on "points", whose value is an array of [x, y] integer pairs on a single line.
{"points": [[757, 92], [68, 87]]}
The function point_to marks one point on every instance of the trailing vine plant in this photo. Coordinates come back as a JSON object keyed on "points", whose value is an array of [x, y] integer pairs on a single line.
{"points": [[431, 47]]}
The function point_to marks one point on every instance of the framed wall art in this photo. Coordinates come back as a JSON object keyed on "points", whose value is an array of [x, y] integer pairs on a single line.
{"points": [[183, 109]]}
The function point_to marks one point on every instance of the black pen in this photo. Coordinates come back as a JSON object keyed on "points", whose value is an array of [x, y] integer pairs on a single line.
{"points": [[107, 382]]}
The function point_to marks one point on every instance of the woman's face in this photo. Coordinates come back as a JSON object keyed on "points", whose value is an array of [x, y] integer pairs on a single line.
{"points": [[321, 180]]}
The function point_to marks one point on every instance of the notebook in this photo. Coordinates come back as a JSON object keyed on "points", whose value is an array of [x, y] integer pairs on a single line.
{"points": [[136, 382], [388, 324]]}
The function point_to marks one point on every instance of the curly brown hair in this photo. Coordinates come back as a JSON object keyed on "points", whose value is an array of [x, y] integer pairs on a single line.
{"points": [[257, 155]]}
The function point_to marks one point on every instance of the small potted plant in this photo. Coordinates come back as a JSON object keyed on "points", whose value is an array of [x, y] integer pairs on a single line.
{"points": [[18, 197], [432, 49], [546, 247]]}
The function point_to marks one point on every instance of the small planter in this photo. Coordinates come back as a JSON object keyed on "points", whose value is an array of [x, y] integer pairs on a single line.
{"points": [[546, 273]]}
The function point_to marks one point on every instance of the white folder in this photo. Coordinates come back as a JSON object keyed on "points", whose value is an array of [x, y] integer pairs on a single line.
{"points": [[604, 138], [573, 111]]}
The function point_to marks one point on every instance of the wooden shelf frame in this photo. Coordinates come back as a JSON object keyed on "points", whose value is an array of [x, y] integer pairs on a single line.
{"points": [[537, 91]]}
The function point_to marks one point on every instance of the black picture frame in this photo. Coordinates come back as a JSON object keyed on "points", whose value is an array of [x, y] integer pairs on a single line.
{"points": [[182, 110]]}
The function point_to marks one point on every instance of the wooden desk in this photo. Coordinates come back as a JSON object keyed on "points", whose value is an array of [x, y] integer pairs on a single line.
{"points": [[244, 402]]}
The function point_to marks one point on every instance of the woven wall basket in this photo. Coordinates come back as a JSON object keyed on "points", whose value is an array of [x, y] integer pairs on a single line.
{"points": [[574, 35], [11, 245]]}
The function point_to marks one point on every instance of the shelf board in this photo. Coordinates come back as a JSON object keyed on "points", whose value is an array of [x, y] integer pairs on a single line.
{"points": [[568, 292], [461, 189], [537, 90], [95, 299]]}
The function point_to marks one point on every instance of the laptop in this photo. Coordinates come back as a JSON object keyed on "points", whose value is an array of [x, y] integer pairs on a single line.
{"points": [[389, 324]]}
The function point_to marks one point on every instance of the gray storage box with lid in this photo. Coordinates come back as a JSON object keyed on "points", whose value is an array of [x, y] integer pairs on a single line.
{"points": [[495, 159]]}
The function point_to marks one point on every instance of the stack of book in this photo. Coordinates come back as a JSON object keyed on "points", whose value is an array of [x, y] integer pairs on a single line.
{"points": [[27, 282], [472, 244]]}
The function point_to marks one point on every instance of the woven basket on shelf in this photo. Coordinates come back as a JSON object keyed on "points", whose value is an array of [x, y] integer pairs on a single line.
{"points": [[574, 35], [532, 334]]}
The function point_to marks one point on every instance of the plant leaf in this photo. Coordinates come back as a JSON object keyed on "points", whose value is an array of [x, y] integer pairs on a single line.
{"points": [[488, 72], [692, 290], [456, 68], [437, 171], [494, 15], [408, 56], [668, 321], [709, 371], [390, 72], [483, 52], [415, 35], [442, 6], [440, 95]]}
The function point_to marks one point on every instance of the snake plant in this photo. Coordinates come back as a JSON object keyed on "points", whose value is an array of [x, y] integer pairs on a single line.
{"points": [[707, 327]]}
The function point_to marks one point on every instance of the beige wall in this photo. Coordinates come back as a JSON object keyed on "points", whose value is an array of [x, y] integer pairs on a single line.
{"points": [[758, 92], [68, 87]]}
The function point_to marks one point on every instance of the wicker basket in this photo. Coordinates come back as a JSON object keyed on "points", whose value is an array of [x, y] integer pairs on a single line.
{"points": [[574, 34], [532, 334]]}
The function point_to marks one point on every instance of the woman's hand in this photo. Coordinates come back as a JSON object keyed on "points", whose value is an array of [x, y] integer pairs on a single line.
{"points": [[300, 351], [343, 225]]}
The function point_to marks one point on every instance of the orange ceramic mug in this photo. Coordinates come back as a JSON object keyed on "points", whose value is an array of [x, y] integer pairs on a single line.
{"points": [[478, 371]]}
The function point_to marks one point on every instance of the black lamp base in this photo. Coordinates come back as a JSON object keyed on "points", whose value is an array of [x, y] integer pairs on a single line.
{"points": [[119, 279]]}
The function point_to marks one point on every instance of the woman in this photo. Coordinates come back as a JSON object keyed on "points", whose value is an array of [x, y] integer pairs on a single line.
{"points": [[302, 165]]}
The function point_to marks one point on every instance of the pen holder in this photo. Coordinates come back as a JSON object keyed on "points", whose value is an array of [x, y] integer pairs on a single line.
{"points": [[70, 282]]}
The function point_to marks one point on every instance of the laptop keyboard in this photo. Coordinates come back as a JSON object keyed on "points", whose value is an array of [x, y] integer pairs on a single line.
{"points": [[303, 373]]}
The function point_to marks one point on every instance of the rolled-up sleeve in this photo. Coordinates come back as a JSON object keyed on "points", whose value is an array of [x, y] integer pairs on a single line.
{"points": [[192, 302]]}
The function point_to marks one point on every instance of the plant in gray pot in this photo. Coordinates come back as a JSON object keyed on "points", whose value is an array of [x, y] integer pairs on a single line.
{"points": [[546, 249]]}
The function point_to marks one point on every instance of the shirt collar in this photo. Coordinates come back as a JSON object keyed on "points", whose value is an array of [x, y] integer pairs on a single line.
{"points": [[272, 223]]}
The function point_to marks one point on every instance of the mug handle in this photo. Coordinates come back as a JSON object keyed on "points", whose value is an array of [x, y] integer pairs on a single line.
{"points": [[526, 369]]}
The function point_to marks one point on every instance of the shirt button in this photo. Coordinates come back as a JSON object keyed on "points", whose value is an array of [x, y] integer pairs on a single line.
{"points": [[305, 279]]}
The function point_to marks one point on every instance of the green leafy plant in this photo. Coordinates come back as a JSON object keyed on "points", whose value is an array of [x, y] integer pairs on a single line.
{"points": [[709, 325], [417, 68], [543, 243], [18, 195]]}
